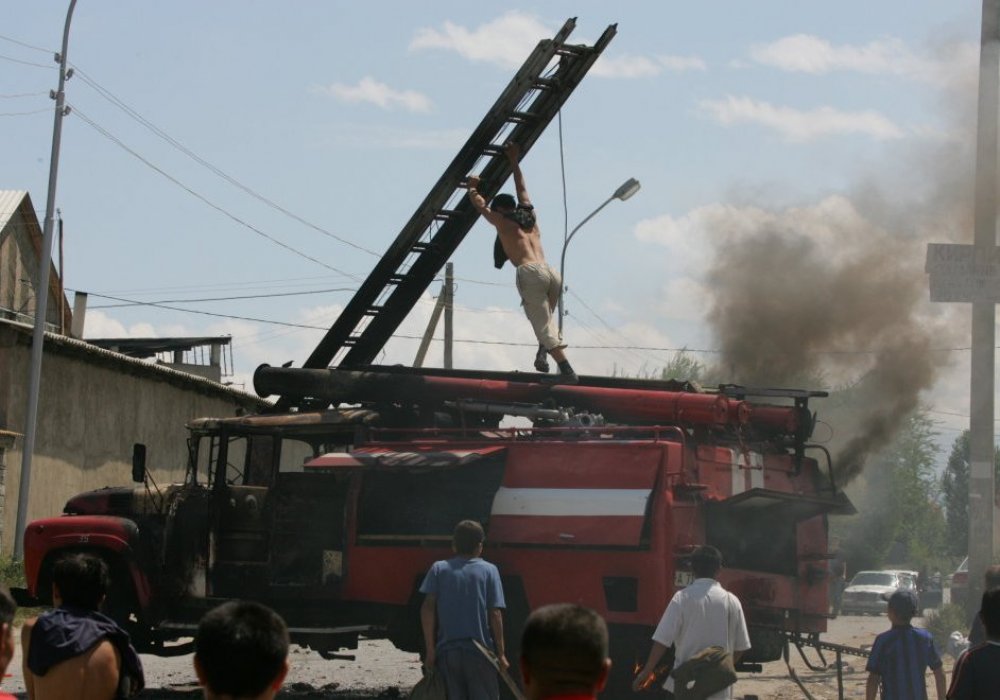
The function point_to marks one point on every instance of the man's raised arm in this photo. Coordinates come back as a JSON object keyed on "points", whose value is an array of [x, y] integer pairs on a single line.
{"points": [[479, 202], [513, 152]]}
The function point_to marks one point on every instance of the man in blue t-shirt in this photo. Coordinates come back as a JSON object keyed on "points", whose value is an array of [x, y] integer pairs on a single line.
{"points": [[977, 672], [900, 657], [463, 600]]}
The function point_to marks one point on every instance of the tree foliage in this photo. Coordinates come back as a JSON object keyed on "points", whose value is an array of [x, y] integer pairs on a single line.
{"points": [[900, 520], [955, 492]]}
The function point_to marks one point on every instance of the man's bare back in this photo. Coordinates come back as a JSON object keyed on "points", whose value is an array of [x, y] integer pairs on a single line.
{"points": [[93, 675], [522, 247]]}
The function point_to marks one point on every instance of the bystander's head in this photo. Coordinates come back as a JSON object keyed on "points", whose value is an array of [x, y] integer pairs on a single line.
{"points": [[80, 581], [468, 538], [706, 562], [241, 651], [991, 578], [989, 613], [902, 607], [564, 651]]}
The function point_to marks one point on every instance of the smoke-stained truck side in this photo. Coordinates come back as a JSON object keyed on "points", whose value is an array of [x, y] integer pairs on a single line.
{"points": [[332, 517]]}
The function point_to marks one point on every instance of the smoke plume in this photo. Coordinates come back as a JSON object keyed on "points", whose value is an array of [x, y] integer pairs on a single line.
{"points": [[834, 293]]}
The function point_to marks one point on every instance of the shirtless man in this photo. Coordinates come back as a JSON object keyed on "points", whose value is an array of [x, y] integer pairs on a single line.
{"points": [[73, 652], [537, 283]]}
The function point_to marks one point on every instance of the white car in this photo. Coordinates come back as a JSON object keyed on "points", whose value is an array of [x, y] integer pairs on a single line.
{"points": [[868, 591]]}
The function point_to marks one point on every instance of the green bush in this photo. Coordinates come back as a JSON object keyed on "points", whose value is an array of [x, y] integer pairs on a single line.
{"points": [[12, 572], [942, 622]]}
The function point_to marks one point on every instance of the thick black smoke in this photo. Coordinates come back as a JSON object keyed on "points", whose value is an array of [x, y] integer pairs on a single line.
{"points": [[835, 292]]}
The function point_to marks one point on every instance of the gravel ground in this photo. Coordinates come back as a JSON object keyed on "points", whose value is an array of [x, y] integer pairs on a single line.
{"points": [[381, 671]]}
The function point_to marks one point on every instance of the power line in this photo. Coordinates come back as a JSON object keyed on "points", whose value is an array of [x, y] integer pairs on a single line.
{"points": [[21, 114], [114, 139], [235, 298], [14, 95], [26, 63], [111, 97], [27, 46]]}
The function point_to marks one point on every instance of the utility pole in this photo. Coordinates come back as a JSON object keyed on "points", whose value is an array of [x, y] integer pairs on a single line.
{"points": [[449, 313], [444, 304], [981, 398], [41, 299]]}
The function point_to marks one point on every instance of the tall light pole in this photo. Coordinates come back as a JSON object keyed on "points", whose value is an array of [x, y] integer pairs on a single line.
{"points": [[627, 189], [41, 300]]}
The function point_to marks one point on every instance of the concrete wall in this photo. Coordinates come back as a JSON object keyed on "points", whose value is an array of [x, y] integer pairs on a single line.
{"points": [[93, 406]]}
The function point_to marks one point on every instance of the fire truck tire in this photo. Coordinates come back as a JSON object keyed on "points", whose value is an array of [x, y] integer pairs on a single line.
{"points": [[628, 646], [513, 625]]}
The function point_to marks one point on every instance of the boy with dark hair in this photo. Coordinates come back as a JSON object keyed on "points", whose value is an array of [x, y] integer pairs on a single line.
{"points": [[702, 615], [564, 653], [241, 651], [463, 604], [901, 656], [74, 651], [977, 671]]}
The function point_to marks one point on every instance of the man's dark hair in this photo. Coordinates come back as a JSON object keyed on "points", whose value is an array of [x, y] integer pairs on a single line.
{"points": [[504, 201], [564, 646], [468, 536], [82, 580], [992, 577], [241, 647], [7, 607], [706, 561], [989, 613]]}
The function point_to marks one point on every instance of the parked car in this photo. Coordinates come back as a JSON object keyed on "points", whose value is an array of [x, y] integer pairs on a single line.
{"points": [[868, 590], [960, 583]]}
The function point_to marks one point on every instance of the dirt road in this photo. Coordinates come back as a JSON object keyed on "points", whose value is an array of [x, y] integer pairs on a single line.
{"points": [[381, 671]]}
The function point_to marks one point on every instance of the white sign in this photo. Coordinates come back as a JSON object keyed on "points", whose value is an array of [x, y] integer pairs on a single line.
{"points": [[958, 273]]}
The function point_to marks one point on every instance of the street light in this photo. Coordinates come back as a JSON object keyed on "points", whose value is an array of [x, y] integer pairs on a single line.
{"points": [[627, 189]]}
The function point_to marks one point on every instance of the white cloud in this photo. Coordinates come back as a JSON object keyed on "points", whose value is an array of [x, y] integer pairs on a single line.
{"points": [[801, 125], [679, 64], [684, 298], [505, 41], [370, 90], [509, 39], [98, 324], [392, 137], [628, 66], [834, 223], [807, 53]]}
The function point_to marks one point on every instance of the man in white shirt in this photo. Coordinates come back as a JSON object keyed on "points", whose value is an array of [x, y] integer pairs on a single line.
{"points": [[702, 615]]}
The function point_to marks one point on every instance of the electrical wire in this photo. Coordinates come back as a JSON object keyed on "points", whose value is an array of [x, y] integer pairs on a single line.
{"points": [[26, 63], [15, 95], [235, 298], [21, 114], [114, 139], [26, 45], [111, 97]]}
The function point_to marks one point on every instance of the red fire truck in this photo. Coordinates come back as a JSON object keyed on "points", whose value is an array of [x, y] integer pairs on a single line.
{"points": [[331, 508]]}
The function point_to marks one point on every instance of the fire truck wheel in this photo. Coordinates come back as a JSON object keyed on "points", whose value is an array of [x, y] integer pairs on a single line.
{"points": [[122, 605], [629, 646]]}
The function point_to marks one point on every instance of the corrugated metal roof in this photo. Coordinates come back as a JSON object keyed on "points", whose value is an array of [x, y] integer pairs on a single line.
{"points": [[10, 200]]}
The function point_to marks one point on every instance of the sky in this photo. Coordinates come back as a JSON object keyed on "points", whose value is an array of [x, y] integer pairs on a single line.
{"points": [[244, 162]]}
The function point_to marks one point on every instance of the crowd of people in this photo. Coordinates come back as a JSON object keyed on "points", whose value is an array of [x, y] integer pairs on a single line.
{"points": [[241, 647]]}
